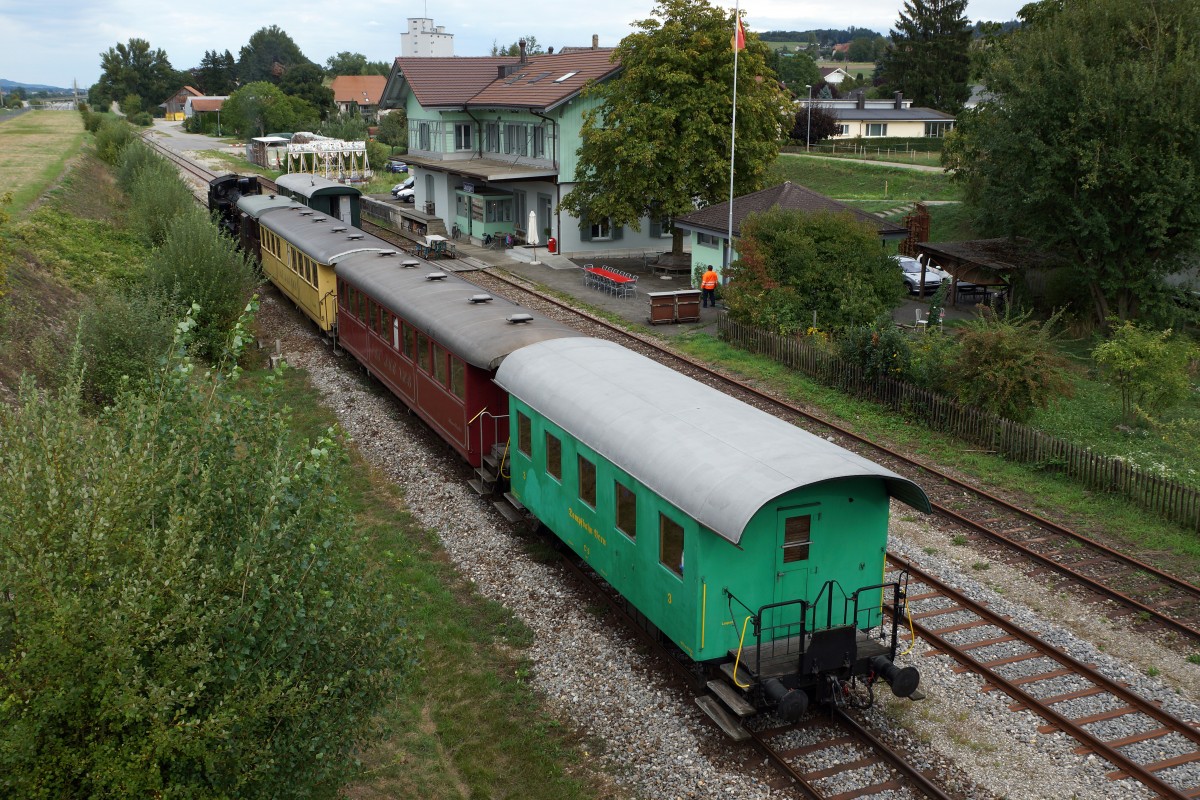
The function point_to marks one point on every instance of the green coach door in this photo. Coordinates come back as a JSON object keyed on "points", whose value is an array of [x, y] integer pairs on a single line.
{"points": [[794, 529]]}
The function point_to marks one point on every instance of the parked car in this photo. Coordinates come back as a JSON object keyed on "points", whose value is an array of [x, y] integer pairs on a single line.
{"points": [[404, 191], [396, 166], [911, 271]]}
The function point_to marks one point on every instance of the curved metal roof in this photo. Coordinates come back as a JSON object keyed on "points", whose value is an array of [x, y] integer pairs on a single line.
{"points": [[715, 458], [479, 333], [255, 204], [323, 238], [306, 185]]}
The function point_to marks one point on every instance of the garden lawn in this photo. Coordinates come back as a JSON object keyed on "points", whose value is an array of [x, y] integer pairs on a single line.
{"points": [[34, 149], [861, 180]]}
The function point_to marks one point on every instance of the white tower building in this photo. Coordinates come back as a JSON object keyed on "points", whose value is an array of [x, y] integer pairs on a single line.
{"points": [[424, 39]]}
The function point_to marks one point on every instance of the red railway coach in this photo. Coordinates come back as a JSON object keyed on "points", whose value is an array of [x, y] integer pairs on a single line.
{"points": [[435, 341]]}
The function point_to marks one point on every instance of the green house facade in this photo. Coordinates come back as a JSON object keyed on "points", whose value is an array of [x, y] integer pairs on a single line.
{"points": [[492, 139]]}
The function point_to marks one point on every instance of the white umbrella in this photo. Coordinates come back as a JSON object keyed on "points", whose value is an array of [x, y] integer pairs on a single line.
{"points": [[531, 235]]}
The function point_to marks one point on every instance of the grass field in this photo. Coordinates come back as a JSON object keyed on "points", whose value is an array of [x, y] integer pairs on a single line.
{"points": [[843, 180], [34, 148]]}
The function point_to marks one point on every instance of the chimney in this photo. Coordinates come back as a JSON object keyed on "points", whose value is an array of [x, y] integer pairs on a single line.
{"points": [[550, 50], [524, 56], [862, 99], [595, 41], [899, 99]]}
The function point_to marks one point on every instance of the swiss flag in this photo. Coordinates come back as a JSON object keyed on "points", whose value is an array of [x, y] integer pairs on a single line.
{"points": [[739, 37]]}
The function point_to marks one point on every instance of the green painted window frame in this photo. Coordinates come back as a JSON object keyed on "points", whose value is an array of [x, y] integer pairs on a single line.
{"points": [[670, 544], [524, 435], [554, 456], [587, 480], [625, 514]]}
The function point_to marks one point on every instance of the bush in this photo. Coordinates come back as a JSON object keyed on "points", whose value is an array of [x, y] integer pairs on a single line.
{"points": [[135, 157], [185, 611], [159, 198], [1007, 365], [196, 264], [932, 358], [112, 136], [142, 118], [881, 350], [1149, 369], [124, 338]]}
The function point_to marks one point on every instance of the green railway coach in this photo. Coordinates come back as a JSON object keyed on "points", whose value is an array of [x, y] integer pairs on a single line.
{"points": [[699, 509]]}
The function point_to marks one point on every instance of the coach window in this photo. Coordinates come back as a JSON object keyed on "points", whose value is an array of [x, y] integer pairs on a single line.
{"points": [[458, 378], [626, 510], [524, 435], [670, 544], [360, 306], [797, 537], [554, 456], [587, 481], [440, 373], [423, 351], [410, 342], [395, 332]]}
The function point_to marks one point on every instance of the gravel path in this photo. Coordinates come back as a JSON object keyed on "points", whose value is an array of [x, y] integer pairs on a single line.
{"points": [[652, 738]]}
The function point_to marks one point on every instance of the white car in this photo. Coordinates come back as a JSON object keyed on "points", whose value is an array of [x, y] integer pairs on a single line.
{"points": [[404, 192], [911, 270]]}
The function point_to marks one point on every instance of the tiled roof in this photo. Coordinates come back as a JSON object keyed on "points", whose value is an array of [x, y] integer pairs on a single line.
{"points": [[208, 103], [548, 80], [362, 89], [890, 114], [786, 195], [542, 83], [449, 81]]}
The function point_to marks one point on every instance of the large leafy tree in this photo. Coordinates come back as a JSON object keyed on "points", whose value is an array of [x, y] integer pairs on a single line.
{"points": [[268, 55], [135, 69], [260, 107], [347, 63], [659, 140], [306, 81], [216, 74], [929, 56], [783, 272], [1092, 148], [796, 70]]}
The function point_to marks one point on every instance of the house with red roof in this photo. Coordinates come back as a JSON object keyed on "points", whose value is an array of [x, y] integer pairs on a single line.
{"points": [[173, 108], [493, 138], [362, 91]]}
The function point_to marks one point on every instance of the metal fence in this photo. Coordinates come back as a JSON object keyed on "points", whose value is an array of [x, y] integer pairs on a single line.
{"points": [[1167, 498]]}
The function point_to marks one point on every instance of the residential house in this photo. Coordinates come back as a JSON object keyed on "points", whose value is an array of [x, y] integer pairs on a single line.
{"points": [[491, 139], [362, 91], [707, 230], [833, 75], [173, 107], [206, 106], [858, 117]]}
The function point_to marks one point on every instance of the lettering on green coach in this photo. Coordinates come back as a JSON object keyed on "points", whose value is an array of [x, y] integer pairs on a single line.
{"points": [[584, 524]]}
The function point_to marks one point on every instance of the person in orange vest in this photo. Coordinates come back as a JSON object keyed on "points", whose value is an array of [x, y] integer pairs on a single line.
{"points": [[708, 285]]}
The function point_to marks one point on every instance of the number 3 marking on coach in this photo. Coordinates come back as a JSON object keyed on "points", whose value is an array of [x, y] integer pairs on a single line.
{"points": [[668, 598]]}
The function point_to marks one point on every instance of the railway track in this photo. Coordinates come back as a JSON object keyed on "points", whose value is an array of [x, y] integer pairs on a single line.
{"points": [[1154, 598], [1135, 735]]}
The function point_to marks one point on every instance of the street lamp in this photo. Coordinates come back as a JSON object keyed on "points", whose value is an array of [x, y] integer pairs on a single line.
{"points": [[808, 134]]}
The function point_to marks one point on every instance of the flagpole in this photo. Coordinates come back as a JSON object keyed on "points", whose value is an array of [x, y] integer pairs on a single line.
{"points": [[737, 26]]}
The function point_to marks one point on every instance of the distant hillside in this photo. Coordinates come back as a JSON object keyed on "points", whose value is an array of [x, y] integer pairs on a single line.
{"points": [[8, 86]]}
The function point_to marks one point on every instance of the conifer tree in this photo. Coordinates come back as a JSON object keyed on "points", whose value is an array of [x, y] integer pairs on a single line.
{"points": [[928, 58]]}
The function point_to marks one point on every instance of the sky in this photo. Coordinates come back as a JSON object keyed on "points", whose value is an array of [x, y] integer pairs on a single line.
{"points": [[56, 42]]}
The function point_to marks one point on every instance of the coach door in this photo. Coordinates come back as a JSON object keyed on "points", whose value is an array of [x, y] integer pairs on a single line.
{"points": [[793, 542]]}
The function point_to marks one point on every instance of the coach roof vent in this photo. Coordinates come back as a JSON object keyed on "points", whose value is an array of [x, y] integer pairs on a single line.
{"points": [[338, 229], [387, 253], [307, 213], [517, 319], [479, 298], [436, 276], [320, 219], [410, 263], [354, 236]]}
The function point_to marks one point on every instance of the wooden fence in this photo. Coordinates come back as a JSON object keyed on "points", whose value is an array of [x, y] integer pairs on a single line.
{"points": [[1169, 499]]}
